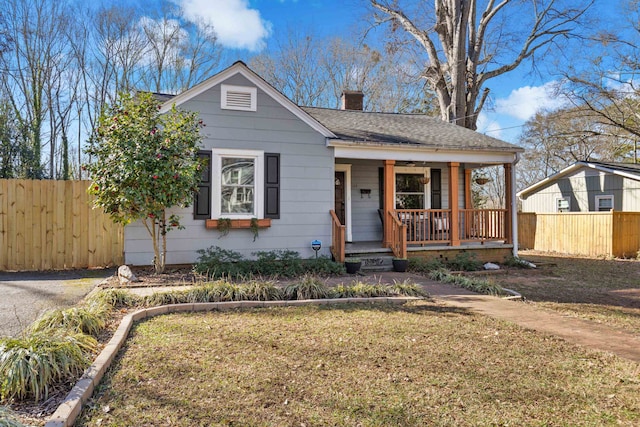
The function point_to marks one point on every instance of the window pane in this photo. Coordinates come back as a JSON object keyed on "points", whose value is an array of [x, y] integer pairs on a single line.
{"points": [[409, 201], [409, 183], [605, 204], [238, 177]]}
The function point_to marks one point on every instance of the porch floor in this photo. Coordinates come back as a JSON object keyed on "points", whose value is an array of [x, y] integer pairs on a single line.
{"points": [[376, 247]]}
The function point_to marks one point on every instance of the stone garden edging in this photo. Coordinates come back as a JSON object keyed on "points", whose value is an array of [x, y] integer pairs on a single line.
{"points": [[70, 408]]}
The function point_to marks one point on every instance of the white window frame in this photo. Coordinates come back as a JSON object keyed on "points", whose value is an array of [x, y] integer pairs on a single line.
{"points": [[567, 199], [252, 91], [216, 182], [604, 197], [414, 171]]}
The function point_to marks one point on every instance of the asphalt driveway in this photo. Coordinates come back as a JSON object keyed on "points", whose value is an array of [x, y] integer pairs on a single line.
{"points": [[25, 295]]}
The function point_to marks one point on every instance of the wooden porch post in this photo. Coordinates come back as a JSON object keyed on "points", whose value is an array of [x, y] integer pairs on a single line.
{"points": [[508, 203], [468, 201], [454, 226], [389, 202]]}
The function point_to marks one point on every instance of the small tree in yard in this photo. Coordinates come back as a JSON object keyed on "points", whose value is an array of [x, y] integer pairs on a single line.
{"points": [[143, 163]]}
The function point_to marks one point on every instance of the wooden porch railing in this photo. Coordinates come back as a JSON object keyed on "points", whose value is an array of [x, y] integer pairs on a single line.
{"points": [[483, 224], [337, 238], [425, 226], [432, 225], [398, 235]]}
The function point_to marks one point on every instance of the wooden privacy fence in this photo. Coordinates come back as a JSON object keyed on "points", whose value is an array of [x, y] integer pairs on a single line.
{"points": [[612, 234], [51, 225]]}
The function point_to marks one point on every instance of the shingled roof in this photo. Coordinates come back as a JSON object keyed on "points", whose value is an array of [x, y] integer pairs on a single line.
{"points": [[403, 129]]}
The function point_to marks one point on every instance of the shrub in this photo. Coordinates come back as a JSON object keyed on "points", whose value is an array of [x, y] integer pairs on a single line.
{"points": [[465, 261], [30, 365], [216, 262], [308, 287], [517, 262], [473, 284], [90, 321], [408, 289], [7, 418], [115, 298], [262, 291], [367, 290], [421, 265]]}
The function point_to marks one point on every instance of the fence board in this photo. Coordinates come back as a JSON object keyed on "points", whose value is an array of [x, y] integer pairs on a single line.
{"points": [[581, 233], [48, 225]]}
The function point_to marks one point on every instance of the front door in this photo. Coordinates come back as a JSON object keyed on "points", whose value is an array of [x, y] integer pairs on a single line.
{"points": [[340, 197]]}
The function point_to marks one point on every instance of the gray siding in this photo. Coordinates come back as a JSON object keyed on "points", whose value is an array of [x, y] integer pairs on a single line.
{"points": [[581, 188], [306, 183]]}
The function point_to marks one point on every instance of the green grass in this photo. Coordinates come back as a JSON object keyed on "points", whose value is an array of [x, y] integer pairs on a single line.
{"points": [[358, 365]]}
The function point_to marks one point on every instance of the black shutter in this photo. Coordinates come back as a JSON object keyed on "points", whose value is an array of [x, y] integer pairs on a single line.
{"points": [[202, 202], [272, 185], [436, 189]]}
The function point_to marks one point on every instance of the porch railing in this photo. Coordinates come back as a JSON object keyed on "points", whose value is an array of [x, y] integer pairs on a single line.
{"points": [[483, 224], [337, 237], [398, 235], [426, 226], [433, 225]]}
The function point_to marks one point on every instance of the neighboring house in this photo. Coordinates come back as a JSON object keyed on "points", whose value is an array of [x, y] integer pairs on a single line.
{"points": [[586, 187], [391, 182]]}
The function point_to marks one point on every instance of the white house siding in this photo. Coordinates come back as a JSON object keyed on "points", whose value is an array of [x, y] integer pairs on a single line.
{"points": [[306, 182], [582, 187]]}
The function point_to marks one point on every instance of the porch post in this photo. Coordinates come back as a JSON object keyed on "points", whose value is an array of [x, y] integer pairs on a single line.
{"points": [[468, 201], [508, 203], [389, 202], [454, 226]]}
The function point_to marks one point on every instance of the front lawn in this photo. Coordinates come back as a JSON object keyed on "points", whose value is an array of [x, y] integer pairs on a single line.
{"points": [[606, 291], [375, 365]]}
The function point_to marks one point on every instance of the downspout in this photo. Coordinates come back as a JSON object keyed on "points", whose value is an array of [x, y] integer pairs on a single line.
{"points": [[514, 207]]}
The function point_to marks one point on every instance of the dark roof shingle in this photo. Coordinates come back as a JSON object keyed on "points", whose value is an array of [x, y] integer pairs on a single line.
{"points": [[410, 129]]}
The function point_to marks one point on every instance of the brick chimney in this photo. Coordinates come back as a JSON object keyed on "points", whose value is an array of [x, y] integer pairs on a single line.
{"points": [[352, 100]]}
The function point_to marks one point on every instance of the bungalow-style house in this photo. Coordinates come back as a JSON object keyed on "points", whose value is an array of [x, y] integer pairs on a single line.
{"points": [[586, 187], [356, 181]]}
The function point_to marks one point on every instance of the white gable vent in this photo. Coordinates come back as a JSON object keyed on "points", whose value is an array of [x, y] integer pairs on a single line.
{"points": [[242, 98]]}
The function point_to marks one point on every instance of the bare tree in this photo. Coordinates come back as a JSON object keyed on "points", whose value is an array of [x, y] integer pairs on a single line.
{"points": [[555, 139], [37, 29], [314, 71], [465, 43]]}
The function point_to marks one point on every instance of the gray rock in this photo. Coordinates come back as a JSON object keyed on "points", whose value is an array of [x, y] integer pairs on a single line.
{"points": [[491, 266], [126, 276]]}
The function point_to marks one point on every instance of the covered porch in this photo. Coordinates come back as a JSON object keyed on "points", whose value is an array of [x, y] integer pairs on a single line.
{"points": [[407, 207]]}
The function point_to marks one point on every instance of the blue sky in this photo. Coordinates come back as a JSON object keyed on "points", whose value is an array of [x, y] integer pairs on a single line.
{"points": [[245, 27]]}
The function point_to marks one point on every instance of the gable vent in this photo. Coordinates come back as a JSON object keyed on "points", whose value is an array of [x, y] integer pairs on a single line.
{"points": [[241, 98]]}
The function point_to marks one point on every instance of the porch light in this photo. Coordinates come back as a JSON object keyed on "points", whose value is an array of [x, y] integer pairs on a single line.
{"points": [[482, 180], [424, 180]]}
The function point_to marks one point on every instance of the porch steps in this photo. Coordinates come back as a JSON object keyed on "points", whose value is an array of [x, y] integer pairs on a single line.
{"points": [[376, 262], [378, 259]]}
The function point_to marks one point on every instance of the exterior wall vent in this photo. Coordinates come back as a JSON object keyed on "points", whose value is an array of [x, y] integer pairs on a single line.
{"points": [[241, 98]]}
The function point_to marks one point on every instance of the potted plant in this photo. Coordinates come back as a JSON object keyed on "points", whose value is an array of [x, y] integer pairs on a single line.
{"points": [[352, 265], [400, 264]]}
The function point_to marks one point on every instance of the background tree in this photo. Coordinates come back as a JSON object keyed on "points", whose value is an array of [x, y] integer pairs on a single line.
{"points": [[145, 162], [314, 71], [462, 44], [554, 140]]}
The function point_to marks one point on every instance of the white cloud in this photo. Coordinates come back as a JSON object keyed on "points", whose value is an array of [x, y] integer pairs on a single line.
{"points": [[236, 24], [524, 102], [489, 126]]}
